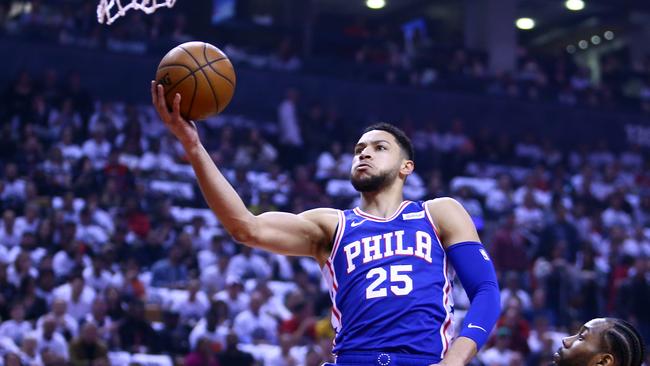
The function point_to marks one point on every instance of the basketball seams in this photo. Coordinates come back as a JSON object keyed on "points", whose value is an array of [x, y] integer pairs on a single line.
{"points": [[172, 65], [214, 94], [191, 55], [204, 75], [168, 90], [196, 82], [222, 75]]}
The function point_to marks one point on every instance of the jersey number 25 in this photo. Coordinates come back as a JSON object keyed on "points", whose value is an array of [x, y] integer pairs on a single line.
{"points": [[397, 276]]}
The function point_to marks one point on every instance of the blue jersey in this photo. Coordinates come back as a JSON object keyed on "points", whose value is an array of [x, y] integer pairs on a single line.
{"points": [[388, 283]]}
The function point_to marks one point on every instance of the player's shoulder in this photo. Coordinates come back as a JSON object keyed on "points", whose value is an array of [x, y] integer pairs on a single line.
{"points": [[443, 209], [438, 204], [322, 215]]}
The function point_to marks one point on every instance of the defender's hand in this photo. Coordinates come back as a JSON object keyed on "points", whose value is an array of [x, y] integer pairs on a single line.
{"points": [[185, 131]]}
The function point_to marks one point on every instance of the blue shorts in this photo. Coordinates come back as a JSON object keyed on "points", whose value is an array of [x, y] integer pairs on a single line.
{"points": [[382, 359]]}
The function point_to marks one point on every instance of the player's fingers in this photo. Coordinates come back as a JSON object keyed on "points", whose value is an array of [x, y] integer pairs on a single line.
{"points": [[176, 107], [161, 105], [153, 92]]}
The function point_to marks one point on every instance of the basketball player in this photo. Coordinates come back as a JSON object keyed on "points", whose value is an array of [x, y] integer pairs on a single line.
{"points": [[385, 261], [602, 342]]}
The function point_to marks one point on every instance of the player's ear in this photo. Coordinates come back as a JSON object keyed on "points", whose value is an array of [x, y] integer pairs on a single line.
{"points": [[605, 359], [407, 167]]}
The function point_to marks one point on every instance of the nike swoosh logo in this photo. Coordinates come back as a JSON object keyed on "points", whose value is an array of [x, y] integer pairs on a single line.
{"points": [[357, 223], [470, 325]]}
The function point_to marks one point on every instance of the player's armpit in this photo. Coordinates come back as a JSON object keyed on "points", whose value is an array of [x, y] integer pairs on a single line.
{"points": [[305, 234], [452, 221]]}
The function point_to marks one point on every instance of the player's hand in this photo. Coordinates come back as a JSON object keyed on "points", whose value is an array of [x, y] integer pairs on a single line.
{"points": [[185, 131]]}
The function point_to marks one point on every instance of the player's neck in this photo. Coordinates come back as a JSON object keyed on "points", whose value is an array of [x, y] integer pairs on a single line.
{"points": [[382, 203]]}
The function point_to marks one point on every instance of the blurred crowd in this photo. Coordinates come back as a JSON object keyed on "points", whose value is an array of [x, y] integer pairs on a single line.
{"points": [[108, 252], [350, 48]]}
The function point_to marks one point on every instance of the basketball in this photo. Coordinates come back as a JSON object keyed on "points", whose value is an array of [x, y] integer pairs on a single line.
{"points": [[202, 74]]}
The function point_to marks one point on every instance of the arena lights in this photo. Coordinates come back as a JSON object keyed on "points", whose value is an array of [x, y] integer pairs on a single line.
{"points": [[525, 23], [595, 40], [375, 4], [574, 5]]}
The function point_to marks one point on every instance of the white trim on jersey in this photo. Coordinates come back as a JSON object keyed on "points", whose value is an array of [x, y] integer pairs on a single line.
{"points": [[330, 275], [370, 217], [339, 235], [447, 300]]}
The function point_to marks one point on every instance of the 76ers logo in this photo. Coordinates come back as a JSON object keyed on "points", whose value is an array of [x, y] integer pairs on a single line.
{"points": [[165, 80]]}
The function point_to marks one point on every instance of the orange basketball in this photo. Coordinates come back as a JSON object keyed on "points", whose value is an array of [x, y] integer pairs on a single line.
{"points": [[202, 74]]}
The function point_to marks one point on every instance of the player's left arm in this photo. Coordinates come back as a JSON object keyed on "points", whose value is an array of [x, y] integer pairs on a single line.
{"points": [[476, 273]]}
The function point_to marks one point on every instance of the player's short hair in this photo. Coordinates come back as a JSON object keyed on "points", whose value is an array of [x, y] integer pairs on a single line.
{"points": [[403, 140], [625, 342]]}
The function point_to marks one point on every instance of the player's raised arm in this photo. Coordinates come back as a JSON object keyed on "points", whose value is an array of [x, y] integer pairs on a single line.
{"points": [[305, 234], [476, 273]]}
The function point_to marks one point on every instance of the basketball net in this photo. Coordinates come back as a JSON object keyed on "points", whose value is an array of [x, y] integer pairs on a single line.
{"points": [[109, 10]]}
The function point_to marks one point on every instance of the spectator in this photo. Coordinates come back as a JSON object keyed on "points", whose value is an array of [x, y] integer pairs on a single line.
{"points": [[231, 355], [7, 291], [291, 136], [70, 256], [202, 355], [50, 340], [192, 307], [9, 234], [249, 321], [135, 333], [466, 198], [71, 151], [16, 327], [510, 247], [30, 220], [97, 277], [170, 272], [213, 277], [173, 338], [513, 290], [233, 296], [614, 215], [77, 295], [215, 326], [559, 228], [89, 232], [98, 148], [542, 340], [34, 304], [634, 296], [106, 327], [88, 349], [499, 201], [500, 354], [14, 187], [284, 357], [248, 264], [302, 325], [529, 216], [64, 322], [29, 351]]}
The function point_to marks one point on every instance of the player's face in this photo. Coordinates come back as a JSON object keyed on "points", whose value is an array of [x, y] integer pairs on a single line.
{"points": [[584, 348], [377, 161]]}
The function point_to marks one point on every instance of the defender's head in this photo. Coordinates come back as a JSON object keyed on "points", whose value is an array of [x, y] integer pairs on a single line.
{"points": [[602, 342], [382, 155]]}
